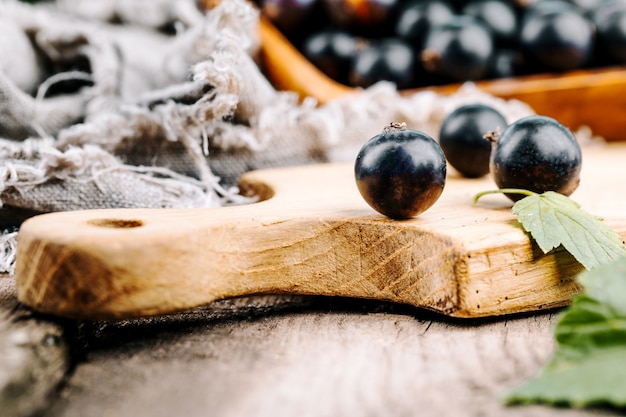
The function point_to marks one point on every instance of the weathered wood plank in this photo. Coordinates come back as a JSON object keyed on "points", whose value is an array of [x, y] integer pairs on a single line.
{"points": [[313, 357], [33, 356]]}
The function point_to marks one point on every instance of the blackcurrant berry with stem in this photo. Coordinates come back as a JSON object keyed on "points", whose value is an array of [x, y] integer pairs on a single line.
{"points": [[536, 153], [459, 49], [400, 172]]}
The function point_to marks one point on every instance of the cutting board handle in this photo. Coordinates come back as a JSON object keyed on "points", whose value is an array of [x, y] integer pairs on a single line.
{"points": [[311, 234]]}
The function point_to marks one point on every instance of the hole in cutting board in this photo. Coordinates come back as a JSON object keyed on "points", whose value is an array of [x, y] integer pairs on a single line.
{"points": [[116, 223]]}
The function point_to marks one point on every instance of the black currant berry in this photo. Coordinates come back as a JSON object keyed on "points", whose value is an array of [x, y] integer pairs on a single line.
{"points": [[462, 137], [459, 49], [332, 51], [610, 22], [536, 153], [560, 40], [498, 15], [415, 19], [387, 59], [400, 172]]}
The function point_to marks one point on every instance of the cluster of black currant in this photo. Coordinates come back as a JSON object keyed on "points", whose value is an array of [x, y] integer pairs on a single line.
{"points": [[402, 172], [414, 43]]}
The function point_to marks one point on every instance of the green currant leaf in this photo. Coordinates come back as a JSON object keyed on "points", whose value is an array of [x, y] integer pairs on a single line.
{"points": [[587, 367], [553, 219], [594, 379], [608, 286]]}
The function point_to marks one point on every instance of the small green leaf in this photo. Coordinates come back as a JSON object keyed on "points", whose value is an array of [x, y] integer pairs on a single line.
{"points": [[587, 367], [593, 379], [607, 286], [553, 219]]}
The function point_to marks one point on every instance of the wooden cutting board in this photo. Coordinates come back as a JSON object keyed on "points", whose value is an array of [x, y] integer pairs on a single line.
{"points": [[311, 234]]}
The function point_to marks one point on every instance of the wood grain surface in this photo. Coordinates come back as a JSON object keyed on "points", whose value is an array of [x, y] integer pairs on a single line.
{"points": [[286, 356], [313, 234], [271, 356]]}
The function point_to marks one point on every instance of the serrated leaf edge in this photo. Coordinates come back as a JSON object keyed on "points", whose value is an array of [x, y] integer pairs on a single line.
{"points": [[607, 238]]}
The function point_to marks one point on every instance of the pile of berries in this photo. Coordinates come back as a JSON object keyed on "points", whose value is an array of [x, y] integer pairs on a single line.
{"points": [[416, 43], [402, 172]]}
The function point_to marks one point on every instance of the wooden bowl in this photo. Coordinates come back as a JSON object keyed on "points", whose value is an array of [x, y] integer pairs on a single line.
{"points": [[594, 98]]}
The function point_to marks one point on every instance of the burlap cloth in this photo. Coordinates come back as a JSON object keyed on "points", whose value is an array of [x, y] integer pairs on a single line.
{"points": [[155, 103]]}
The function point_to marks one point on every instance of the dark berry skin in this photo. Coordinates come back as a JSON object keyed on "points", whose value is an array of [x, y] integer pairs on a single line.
{"points": [[387, 59], [459, 49], [462, 138], [332, 51], [400, 172], [498, 15], [536, 153], [415, 19], [559, 40], [610, 22], [505, 62]]}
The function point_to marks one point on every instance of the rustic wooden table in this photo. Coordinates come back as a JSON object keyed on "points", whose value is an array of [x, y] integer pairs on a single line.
{"points": [[270, 356]]}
